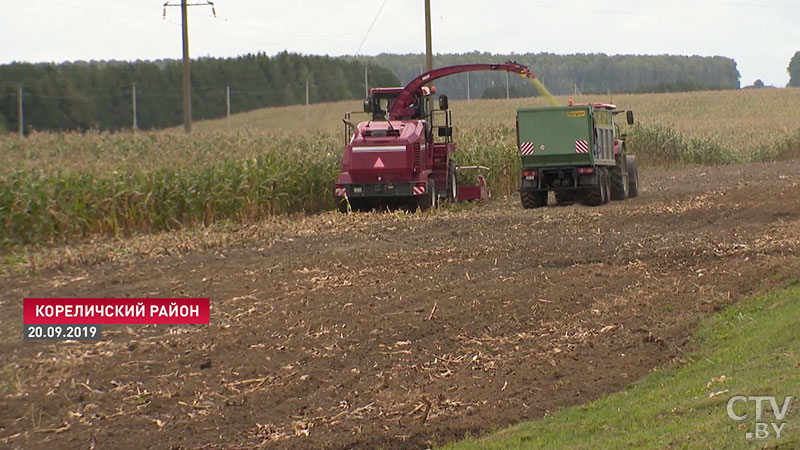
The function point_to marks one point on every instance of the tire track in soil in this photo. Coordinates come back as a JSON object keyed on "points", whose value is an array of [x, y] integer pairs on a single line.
{"points": [[403, 332]]}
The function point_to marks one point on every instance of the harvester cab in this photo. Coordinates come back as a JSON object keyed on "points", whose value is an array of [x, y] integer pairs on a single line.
{"points": [[402, 155]]}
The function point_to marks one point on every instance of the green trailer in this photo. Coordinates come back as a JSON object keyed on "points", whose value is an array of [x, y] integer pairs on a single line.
{"points": [[577, 152]]}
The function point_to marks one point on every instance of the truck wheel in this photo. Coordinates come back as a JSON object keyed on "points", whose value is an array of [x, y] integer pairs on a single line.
{"points": [[599, 194], [633, 176], [533, 199], [452, 181], [429, 200], [619, 181]]}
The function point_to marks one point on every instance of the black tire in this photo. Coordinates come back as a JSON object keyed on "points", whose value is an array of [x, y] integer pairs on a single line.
{"points": [[452, 181], [533, 199], [633, 176], [342, 205], [356, 205], [599, 194], [566, 197], [431, 199], [619, 180]]}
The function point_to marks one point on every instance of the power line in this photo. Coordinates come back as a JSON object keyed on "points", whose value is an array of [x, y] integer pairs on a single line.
{"points": [[366, 35]]}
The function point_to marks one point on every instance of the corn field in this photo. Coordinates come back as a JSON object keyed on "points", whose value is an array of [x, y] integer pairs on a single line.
{"points": [[56, 187]]}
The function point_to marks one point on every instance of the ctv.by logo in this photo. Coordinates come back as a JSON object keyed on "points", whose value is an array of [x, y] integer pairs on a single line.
{"points": [[762, 429]]}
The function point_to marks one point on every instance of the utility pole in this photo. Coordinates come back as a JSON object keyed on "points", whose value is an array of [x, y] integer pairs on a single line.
{"points": [[19, 113], [187, 83], [428, 46], [508, 93], [467, 85], [228, 106], [133, 102], [187, 88], [307, 101], [366, 81]]}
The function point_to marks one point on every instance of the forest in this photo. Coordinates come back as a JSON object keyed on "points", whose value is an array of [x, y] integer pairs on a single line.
{"points": [[564, 74], [99, 94]]}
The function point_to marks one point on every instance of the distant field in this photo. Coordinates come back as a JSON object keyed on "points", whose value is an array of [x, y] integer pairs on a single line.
{"points": [[54, 187], [735, 119]]}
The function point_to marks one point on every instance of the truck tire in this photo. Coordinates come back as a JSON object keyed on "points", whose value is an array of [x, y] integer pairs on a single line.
{"points": [[430, 199], [600, 193], [633, 176], [619, 180], [533, 199], [452, 181]]}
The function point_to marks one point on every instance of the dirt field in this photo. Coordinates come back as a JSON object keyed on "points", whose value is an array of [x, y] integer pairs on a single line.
{"points": [[384, 330]]}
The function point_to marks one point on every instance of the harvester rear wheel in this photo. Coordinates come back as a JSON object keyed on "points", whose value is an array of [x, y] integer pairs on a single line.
{"points": [[430, 199], [452, 182], [619, 180], [633, 176], [533, 199], [342, 205]]}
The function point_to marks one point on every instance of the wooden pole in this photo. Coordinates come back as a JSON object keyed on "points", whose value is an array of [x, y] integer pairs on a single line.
{"points": [[187, 90], [428, 45], [228, 106], [20, 113], [467, 85], [133, 102]]}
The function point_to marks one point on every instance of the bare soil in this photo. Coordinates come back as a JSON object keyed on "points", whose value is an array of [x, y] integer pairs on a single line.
{"points": [[389, 330]]}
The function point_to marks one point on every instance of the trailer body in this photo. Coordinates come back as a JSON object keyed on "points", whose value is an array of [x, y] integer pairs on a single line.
{"points": [[575, 151]]}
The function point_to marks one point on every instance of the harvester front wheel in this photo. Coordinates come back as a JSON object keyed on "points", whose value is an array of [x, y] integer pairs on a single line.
{"points": [[533, 199], [429, 200], [633, 176]]}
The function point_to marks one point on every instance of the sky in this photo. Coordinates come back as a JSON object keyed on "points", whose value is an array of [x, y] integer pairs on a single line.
{"points": [[761, 35]]}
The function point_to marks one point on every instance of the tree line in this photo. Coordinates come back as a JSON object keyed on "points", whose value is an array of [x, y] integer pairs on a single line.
{"points": [[564, 74], [99, 94], [794, 70]]}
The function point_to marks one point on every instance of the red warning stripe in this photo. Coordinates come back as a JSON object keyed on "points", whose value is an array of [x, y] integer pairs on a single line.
{"points": [[526, 148]]}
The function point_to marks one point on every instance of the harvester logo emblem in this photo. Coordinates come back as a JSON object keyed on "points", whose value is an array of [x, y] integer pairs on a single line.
{"points": [[378, 164]]}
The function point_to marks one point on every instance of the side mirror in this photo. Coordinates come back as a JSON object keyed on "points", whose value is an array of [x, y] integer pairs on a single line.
{"points": [[445, 131], [443, 103], [367, 105], [629, 116]]}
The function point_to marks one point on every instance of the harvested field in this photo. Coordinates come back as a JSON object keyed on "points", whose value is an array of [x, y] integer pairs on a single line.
{"points": [[395, 330]]}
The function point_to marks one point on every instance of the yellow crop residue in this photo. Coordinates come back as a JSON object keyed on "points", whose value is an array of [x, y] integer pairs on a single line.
{"points": [[544, 92]]}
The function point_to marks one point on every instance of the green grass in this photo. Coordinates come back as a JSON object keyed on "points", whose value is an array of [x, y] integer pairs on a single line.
{"points": [[755, 344]]}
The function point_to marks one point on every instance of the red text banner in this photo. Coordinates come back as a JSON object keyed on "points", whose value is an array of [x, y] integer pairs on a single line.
{"points": [[116, 310]]}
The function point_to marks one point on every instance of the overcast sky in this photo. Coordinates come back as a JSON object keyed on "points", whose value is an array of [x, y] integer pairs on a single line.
{"points": [[760, 35]]}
